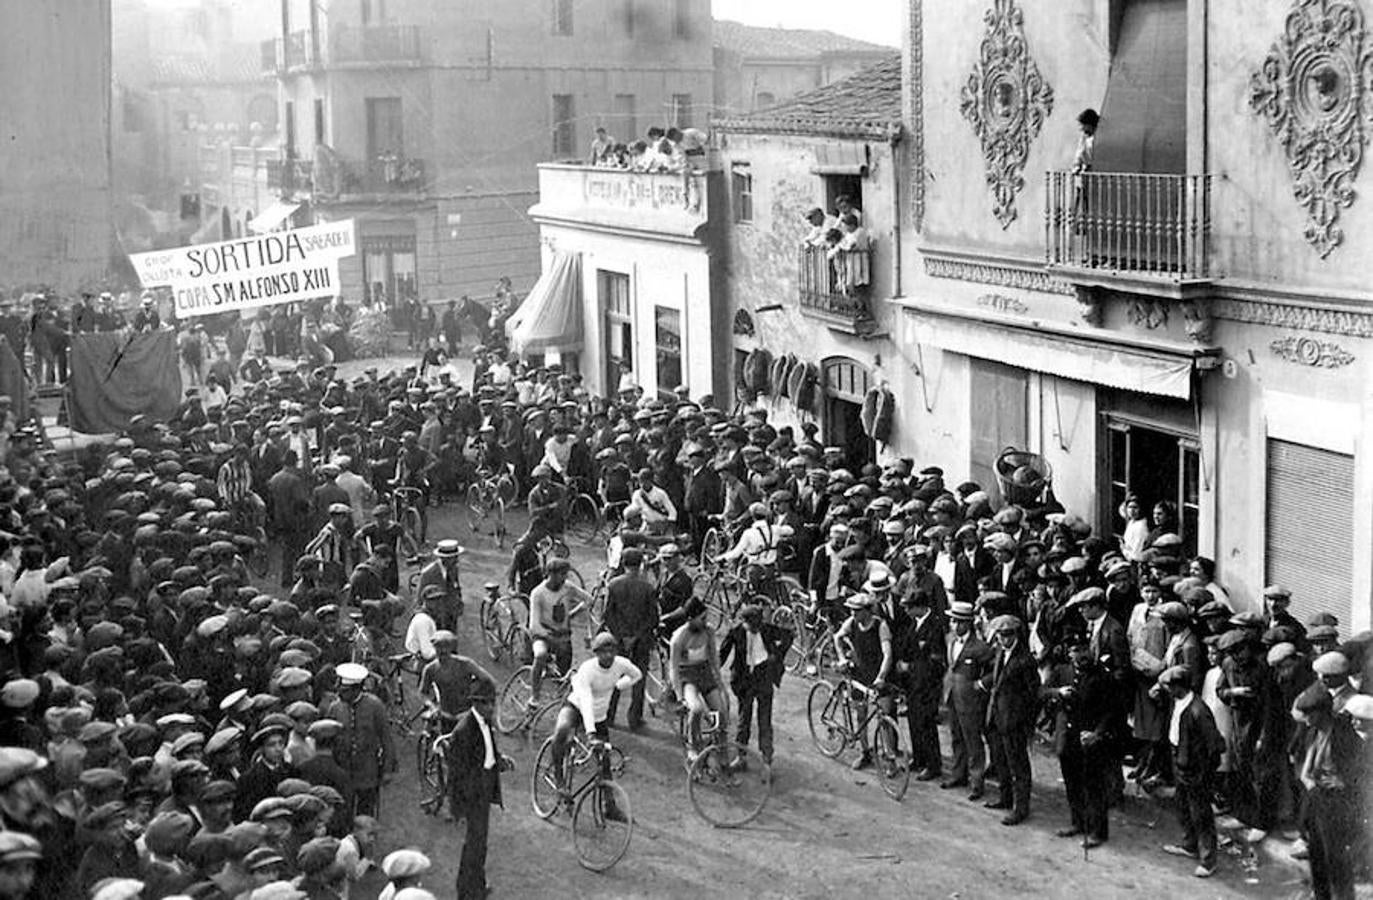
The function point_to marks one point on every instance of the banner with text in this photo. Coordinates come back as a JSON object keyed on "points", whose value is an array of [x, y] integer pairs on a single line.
{"points": [[262, 270]]}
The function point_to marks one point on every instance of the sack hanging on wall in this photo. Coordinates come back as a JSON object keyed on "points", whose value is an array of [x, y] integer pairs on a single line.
{"points": [[882, 421], [777, 375], [869, 413], [795, 380], [756, 370]]}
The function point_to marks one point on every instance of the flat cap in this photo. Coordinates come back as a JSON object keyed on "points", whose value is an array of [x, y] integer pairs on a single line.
{"points": [[16, 846], [1332, 663], [405, 863], [19, 693]]}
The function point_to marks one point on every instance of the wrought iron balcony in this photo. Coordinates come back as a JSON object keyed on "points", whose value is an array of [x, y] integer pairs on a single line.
{"points": [[299, 50], [1101, 226], [290, 176], [336, 177], [375, 44], [835, 286]]}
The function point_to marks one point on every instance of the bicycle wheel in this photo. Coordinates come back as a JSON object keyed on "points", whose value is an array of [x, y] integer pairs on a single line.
{"points": [[499, 513], [512, 709], [507, 488], [430, 764], [583, 518], [821, 708], [712, 545], [576, 578], [602, 825], [412, 525], [784, 617], [595, 610], [476, 508], [544, 795], [800, 648], [725, 795], [412, 585], [518, 644], [893, 769]]}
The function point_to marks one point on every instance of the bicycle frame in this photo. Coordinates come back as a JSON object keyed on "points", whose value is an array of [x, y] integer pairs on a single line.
{"points": [[844, 696]]}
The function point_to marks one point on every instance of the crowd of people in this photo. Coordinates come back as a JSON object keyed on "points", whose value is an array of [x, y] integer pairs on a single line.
{"points": [[670, 149], [171, 726]]}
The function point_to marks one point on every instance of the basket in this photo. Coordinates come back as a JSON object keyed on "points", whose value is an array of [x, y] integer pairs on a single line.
{"points": [[1022, 475]]}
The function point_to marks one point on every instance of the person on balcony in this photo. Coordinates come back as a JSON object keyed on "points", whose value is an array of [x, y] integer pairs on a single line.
{"points": [[1083, 156], [850, 257], [601, 149]]}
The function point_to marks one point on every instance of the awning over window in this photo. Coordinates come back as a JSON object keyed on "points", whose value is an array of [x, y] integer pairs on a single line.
{"points": [[272, 217], [1163, 370], [841, 158], [550, 318]]}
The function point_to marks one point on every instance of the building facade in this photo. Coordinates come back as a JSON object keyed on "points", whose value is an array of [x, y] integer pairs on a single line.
{"points": [[760, 67], [56, 207], [425, 122], [1188, 319]]}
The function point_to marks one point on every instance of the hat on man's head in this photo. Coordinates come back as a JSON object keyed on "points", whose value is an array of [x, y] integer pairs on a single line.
{"points": [[961, 610], [1332, 663]]}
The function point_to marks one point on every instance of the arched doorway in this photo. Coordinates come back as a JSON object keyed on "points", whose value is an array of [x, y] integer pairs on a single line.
{"points": [[846, 383]]}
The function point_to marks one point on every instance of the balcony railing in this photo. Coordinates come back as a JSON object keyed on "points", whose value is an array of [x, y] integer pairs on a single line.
{"points": [[290, 176], [1133, 225], [835, 287], [375, 44], [299, 50]]}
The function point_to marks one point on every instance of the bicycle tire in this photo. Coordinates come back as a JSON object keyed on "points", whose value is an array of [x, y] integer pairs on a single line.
{"points": [[893, 769], [799, 651], [784, 617], [429, 763], [519, 644], [596, 609], [583, 518], [725, 797], [512, 709], [820, 705], [476, 508], [712, 545], [412, 525], [507, 488], [493, 634], [499, 513], [544, 796], [574, 576], [602, 826]]}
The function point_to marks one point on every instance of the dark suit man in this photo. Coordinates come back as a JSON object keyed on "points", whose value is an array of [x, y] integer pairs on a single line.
{"points": [[704, 494], [1011, 711], [971, 564], [755, 651], [475, 766], [971, 661], [631, 614], [1109, 649], [1197, 747], [1083, 699], [919, 654]]}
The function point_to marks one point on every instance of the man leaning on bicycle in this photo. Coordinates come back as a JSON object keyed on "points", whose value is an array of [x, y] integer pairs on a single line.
{"points": [[864, 647], [552, 604], [449, 681], [588, 705]]}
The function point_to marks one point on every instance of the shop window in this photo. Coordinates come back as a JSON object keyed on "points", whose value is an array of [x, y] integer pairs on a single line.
{"points": [[741, 178], [612, 289], [1157, 466], [667, 325]]}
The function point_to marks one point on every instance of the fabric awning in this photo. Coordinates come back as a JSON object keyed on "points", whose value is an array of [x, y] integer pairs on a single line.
{"points": [[550, 318], [841, 158], [1162, 370], [272, 217]]}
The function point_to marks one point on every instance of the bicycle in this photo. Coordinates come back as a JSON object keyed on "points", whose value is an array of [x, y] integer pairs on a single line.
{"points": [[832, 717], [729, 784], [487, 499], [551, 546], [812, 650], [602, 823], [402, 704], [582, 516], [405, 507], [514, 709], [502, 618], [431, 761]]}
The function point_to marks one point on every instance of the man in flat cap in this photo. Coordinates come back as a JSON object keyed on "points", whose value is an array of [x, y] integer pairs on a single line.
{"points": [[1012, 706], [1197, 747]]}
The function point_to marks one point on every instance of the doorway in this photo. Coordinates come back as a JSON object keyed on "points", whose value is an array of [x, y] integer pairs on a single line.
{"points": [[846, 384], [1156, 465]]}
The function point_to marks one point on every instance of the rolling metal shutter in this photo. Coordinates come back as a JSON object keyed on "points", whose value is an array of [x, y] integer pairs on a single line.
{"points": [[1309, 548]]}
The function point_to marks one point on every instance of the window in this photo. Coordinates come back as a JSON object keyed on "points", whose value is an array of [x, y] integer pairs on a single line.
{"points": [[562, 17], [681, 18], [319, 121], [625, 127], [627, 16], [836, 186], [612, 290], [741, 178], [564, 127], [385, 127], [667, 324], [681, 110], [764, 100], [1157, 466]]}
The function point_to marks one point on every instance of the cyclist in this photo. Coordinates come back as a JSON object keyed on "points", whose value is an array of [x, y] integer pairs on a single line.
{"points": [[420, 633], [864, 647], [694, 670], [235, 484], [586, 706], [385, 531], [614, 486], [552, 604], [674, 585], [413, 465], [449, 681], [547, 501], [660, 515], [526, 565]]}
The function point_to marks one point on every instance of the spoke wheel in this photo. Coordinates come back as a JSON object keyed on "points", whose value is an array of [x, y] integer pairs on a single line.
{"points": [[412, 525], [712, 545], [493, 632], [596, 609], [583, 518], [512, 710], [729, 796], [892, 766], [821, 708], [499, 513], [544, 795], [602, 826], [476, 508]]}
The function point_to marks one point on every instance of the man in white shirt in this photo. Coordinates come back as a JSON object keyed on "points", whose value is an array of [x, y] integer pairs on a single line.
{"points": [[419, 636], [589, 702], [660, 515], [758, 542]]}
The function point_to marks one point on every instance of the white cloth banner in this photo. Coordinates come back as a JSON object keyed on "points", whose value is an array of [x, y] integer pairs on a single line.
{"points": [[261, 270]]}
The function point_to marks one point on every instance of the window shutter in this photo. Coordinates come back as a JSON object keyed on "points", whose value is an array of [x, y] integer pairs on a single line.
{"points": [[1309, 548]]}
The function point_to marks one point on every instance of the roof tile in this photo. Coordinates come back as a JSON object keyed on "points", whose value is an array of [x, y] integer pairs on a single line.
{"points": [[785, 43], [865, 104]]}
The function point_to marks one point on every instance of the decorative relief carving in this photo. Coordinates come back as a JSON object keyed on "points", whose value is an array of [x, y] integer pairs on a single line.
{"points": [[1311, 352], [1148, 312], [1315, 88], [1304, 318], [743, 323], [1002, 303], [1007, 100], [1197, 321], [1027, 279], [1089, 305], [916, 115]]}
